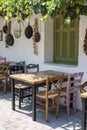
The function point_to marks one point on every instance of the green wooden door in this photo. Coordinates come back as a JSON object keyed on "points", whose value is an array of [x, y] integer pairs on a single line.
{"points": [[65, 48]]}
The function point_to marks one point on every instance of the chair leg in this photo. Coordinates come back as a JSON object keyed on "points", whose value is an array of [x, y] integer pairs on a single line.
{"points": [[19, 98], [84, 114], [75, 100], [47, 103], [57, 107], [5, 86], [21, 94], [68, 105]]}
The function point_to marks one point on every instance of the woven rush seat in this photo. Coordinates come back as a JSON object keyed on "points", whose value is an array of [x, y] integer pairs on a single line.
{"points": [[21, 86], [65, 89], [42, 94]]}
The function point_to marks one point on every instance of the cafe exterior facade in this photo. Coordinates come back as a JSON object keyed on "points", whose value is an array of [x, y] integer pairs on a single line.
{"points": [[42, 52]]}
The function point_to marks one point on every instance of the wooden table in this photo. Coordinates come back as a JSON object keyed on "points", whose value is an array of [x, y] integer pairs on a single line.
{"points": [[84, 109], [34, 80]]}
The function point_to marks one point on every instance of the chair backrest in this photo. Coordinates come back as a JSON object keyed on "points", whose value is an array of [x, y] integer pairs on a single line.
{"points": [[83, 87], [74, 80], [56, 85], [32, 66], [4, 67], [19, 67], [2, 59], [20, 63]]}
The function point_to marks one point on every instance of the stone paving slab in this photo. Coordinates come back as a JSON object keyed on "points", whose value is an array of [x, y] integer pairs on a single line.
{"points": [[22, 119]]}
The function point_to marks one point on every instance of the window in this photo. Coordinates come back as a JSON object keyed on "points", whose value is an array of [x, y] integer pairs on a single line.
{"points": [[65, 46]]}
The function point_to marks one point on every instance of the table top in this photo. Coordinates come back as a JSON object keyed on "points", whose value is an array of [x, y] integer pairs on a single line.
{"points": [[83, 95], [36, 77]]}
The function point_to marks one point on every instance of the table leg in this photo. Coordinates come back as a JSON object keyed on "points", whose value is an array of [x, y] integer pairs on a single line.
{"points": [[83, 114], [13, 94], [23, 69], [34, 103]]}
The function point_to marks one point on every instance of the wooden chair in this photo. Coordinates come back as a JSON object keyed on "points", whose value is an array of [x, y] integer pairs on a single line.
{"points": [[2, 59], [23, 91], [49, 94], [4, 75], [83, 94], [83, 87], [70, 91]]}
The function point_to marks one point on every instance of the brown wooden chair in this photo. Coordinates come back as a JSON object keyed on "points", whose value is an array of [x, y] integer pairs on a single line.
{"points": [[83, 87], [53, 90], [83, 93], [4, 75]]}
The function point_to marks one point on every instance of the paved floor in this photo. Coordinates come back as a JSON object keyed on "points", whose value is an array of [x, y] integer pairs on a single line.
{"points": [[22, 119]]}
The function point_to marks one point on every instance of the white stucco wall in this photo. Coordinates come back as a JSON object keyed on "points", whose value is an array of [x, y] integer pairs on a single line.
{"points": [[23, 48]]}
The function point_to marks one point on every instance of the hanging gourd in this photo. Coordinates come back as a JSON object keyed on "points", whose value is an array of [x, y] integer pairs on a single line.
{"points": [[17, 29]]}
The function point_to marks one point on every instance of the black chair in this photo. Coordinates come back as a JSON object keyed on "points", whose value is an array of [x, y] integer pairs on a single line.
{"points": [[32, 66], [18, 67], [15, 68], [23, 91]]}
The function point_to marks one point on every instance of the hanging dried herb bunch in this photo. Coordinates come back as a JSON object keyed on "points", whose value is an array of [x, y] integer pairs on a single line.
{"points": [[35, 31], [85, 43]]}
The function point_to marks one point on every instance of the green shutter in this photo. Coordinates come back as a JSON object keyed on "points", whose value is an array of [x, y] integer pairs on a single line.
{"points": [[65, 42]]}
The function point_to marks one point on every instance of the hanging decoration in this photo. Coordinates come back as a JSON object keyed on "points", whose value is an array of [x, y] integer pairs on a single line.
{"points": [[85, 43], [28, 31], [36, 36], [9, 39], [6, 30], [17, 29]]}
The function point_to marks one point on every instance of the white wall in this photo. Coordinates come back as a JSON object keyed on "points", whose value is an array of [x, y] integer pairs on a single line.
{"points": [[23, 48]]}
